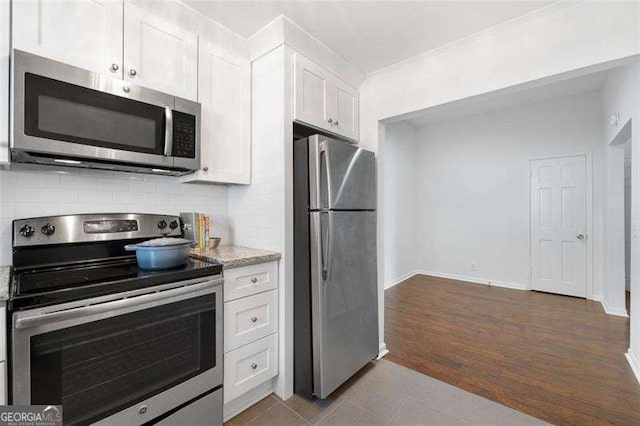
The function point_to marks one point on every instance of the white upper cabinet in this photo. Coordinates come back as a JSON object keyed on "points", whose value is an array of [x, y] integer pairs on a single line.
{"points": [[311, 86], [159, 54], [323, 100], [86, 34], [346, 113], [224, 91]]}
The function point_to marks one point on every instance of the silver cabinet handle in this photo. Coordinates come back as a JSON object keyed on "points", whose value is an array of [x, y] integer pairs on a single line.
{"points": [[254, 366], [126, 89], [330, 120], [580, 237], [114, 67], [133, 72], [254, 280], [168, 131], [254, 319], [336, 122], [205, 169]]}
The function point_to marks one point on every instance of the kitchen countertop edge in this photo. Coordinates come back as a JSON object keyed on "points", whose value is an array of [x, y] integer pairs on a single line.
{"points": [[232, 256], [5, 277]]}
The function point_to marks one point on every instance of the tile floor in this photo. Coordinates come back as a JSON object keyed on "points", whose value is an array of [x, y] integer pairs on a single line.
{"points": [[385, 393]]}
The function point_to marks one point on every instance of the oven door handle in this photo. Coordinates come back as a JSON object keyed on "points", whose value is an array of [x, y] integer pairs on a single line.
{"points": [[192, 290]]}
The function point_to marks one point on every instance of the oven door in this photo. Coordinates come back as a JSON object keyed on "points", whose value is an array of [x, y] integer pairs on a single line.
{"points": [[70, 113], [125, 358]]}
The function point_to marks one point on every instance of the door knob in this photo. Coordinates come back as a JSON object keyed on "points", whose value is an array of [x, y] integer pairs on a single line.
{"points": [[114, 67], [132, 72], [580, 237], [254, 319], [336, 122], [330, 120]]}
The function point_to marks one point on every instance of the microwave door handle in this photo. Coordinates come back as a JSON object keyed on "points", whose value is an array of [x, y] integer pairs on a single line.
{"points": [[168, 131]]}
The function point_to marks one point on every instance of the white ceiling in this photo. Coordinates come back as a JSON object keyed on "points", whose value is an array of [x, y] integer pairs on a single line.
{"points": [[371, 34], [481, 104]]}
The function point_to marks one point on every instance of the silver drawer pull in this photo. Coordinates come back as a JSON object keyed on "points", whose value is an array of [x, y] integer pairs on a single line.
{"points": [[254, 280], [254, 366], [254, 319]]}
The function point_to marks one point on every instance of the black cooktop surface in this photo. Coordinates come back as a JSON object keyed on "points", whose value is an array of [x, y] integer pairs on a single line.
{"points": [[41, 286]]}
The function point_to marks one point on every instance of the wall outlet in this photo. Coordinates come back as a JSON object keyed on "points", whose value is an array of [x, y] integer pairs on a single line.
{"points": [[474, 266]]}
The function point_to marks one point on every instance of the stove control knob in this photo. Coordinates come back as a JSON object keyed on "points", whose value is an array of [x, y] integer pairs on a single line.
{"points": [[162, 224], [48, 229], [27, 231], [173, 224]]}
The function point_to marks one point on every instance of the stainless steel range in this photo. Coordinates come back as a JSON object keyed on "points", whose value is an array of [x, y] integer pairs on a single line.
{"points": [[109, 342]]}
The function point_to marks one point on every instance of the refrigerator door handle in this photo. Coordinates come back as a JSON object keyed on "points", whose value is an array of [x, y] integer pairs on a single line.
{"points": [[323, 157], [326, 248]]}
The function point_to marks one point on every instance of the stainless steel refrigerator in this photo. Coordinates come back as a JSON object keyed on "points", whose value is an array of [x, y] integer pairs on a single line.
{"points": [[335, 278]]}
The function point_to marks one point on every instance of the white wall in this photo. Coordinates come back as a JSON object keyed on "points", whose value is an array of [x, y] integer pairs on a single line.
{"points": [[401, 222], [552, 43], [621, 95], [51, 191], [472, 197], [627, 221]]}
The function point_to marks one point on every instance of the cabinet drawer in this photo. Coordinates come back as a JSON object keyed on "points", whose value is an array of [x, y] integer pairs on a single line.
{"points": [[248, 280], [250, 366], [250, 318]]}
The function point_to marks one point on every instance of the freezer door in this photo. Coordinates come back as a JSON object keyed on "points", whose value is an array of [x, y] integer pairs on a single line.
{"points": [[344, 296], [341, 175]]}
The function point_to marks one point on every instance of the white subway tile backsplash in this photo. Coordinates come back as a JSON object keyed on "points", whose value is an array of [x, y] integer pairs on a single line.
{"points": [[58, 195], [142, 186], [95, 197], [34, 191]]}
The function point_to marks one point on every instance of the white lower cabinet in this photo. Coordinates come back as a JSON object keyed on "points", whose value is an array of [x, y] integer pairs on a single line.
{"points": [[250, 328], [250, 366], [248, 280], [250, 318]]}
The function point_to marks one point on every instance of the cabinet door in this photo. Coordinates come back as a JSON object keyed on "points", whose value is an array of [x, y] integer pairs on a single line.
{"points": [[311, 93], [159, 54], [224, 91], [345, 115], [86, 34]]}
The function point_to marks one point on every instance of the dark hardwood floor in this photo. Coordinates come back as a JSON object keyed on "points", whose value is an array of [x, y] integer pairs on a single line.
{"points": [[557, 358]]}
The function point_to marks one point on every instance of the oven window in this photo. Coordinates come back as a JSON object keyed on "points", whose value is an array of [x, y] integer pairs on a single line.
{"points": [[66, 112], [98, 368]]}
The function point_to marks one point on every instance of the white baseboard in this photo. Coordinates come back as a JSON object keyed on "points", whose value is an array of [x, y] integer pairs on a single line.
{"points": [[634, 363], [619, 312], [241, 403], [382, 351], [401, 279], [596, 298], [475, 280]]}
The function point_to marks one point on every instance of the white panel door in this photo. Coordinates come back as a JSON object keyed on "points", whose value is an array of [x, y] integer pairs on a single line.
{"points": [[558, 226], [159, 54], [311, 94], [224, 92], [84, 33]]}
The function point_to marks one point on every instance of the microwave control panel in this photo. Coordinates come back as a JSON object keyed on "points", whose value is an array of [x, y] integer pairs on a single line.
{"points": [[184, 135]]}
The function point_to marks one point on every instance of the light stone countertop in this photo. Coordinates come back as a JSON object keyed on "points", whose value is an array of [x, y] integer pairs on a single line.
{"points": [[5, 273], [235, 256]]}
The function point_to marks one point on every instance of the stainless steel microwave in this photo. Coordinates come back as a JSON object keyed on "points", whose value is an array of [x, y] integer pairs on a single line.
{"points": [[64, 115]]}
